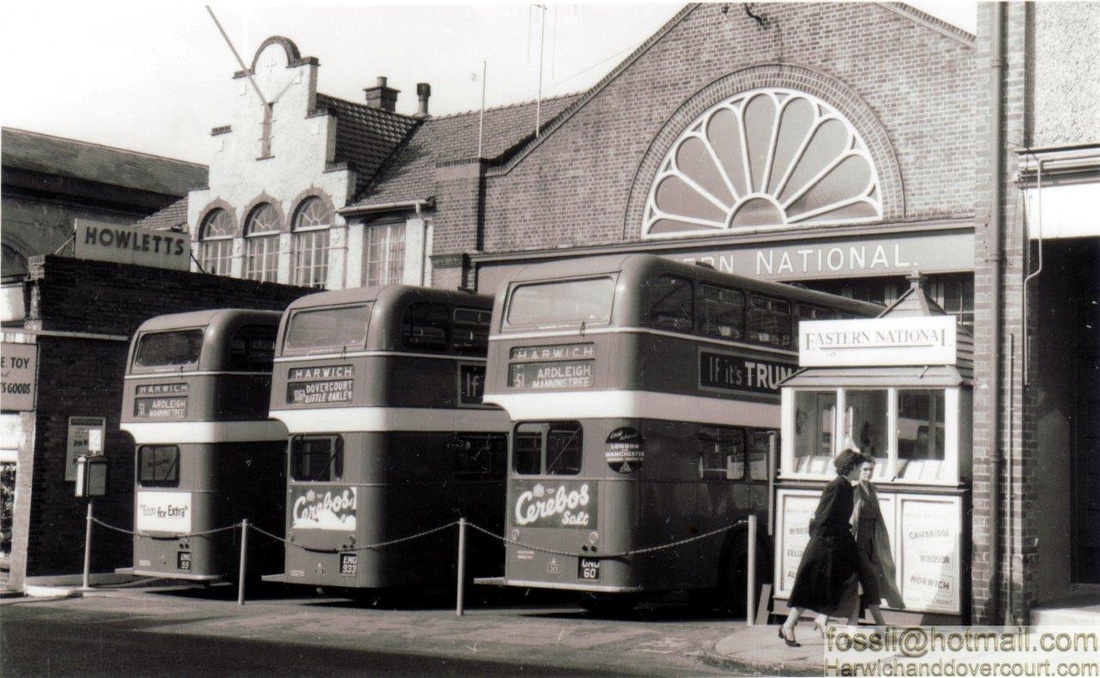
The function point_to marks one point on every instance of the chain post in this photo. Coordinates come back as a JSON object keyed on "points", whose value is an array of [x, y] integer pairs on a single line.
{"points": [[751, 578], [244, 561], [461, 566], [88, 550]]}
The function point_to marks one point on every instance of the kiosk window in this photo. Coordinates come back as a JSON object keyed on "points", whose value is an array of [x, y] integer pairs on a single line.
{"points": [[317, 458], [547, 449], [920, 434], [328, 328], [669, 304], [253, 348], [721, 453], [158, 466], [161, 349], [721, 312], [426, 327], [814, 424], [867, 424]]}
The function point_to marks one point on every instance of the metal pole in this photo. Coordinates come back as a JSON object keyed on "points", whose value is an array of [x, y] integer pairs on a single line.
{"points": [[461, 565], [244, 561], [88, 549], [751, 579]]}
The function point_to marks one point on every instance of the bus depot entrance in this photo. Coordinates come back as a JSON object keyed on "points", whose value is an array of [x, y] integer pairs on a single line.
{"points": [[1064, 374], [898, 388]]}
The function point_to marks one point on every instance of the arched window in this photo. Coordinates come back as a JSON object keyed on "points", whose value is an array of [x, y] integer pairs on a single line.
{"points": [[216, 237], [262, 238], [768, 157], [312, 222]]}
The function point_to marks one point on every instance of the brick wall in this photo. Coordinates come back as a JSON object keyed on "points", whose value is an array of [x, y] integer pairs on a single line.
{"points": [[907, 87], [103, 304]]}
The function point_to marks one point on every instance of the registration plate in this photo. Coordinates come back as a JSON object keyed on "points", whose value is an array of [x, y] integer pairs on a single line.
{"points": [[588, 569], [183, 561], [349, 564]]}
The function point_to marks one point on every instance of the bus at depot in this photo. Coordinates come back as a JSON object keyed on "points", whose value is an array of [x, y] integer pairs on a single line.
{"points": [[380, 390], [644, 401], [207, 457]]}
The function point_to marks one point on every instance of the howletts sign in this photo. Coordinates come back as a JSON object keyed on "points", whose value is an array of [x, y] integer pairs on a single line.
{"points": [[130, 245]]}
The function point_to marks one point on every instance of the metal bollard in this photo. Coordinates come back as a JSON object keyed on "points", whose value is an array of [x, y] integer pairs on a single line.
{"points": [[751, 578], [461, 566], [88, 550], [244, 561]]}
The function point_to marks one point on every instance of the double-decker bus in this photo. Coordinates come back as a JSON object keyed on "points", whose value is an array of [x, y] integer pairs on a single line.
{"points": [[380, 389], [195, 401], [643, 395]]}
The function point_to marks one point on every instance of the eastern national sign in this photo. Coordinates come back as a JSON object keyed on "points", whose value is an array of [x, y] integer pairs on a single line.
{"points": [[878, 341], [130, 245]]}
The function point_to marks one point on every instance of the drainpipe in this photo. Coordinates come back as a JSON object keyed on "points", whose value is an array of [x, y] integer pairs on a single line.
{"points": [[995, 255]]}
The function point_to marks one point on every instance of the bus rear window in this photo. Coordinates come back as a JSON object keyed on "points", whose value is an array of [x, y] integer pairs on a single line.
{"points": [[253, 348], [163, 349], [317, 458], [158, 466], [557, 303], [668, 304], [425, 327], [548, 449], [328, 328], [471, 331]]}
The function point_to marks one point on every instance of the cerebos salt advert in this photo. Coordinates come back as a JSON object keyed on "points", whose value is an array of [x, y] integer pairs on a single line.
{"points": [[325, 509]]}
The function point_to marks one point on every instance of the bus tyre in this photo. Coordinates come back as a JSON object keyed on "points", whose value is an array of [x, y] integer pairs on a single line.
{"points": [[734, 575], [608, 604]]}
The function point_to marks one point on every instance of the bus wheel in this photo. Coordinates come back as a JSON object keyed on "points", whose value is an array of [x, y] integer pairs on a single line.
{"points": [[608, 604], [734, 576]]}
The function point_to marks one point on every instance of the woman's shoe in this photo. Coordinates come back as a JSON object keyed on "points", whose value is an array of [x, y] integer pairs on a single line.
{"points": [[819, 630], [789, 641]]}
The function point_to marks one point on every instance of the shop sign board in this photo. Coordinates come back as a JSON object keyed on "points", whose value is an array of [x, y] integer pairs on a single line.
{"points": [[130, 245], [164, 512], [85, 439], [878, 341], [930, 547], [18, 376]]}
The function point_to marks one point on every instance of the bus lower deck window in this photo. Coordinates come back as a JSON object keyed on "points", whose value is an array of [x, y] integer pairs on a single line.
{"points": [[158, 466], [547, 449], [317, 458]]}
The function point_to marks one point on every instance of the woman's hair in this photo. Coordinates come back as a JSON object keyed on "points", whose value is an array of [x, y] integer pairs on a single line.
{"points": [[848, 460]]}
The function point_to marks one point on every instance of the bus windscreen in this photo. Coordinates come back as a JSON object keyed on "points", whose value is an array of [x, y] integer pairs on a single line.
{"points": [[556, 303], [162, 349], [328, 328]]}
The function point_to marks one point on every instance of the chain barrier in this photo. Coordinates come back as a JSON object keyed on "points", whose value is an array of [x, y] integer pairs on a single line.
{"points": [[364, 547], [624, 554], [142, 535]]}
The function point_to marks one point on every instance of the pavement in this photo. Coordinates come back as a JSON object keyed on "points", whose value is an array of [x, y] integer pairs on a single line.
{"points": [[747, 650]]}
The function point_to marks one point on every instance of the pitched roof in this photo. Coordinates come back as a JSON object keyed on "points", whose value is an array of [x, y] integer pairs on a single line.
{"points": [[173, 216], [36, 152], [410, 173], [365, 135]]}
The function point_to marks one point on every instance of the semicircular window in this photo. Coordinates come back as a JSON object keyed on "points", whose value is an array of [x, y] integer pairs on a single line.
{"points": [[767, 157]]}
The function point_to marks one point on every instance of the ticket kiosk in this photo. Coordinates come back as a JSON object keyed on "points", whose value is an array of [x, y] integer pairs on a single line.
{"points": [[900, 388]]}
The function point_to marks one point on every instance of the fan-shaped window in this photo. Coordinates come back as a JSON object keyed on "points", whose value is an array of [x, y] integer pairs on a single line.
{"points": [[262, 238], [312, 222], [216, 236], [772, 157]]}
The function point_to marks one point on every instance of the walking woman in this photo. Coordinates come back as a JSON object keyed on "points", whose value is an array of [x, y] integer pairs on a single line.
{"points": [[830, 562], [876, 562]]}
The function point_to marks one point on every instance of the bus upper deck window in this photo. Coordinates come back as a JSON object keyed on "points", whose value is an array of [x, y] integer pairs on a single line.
{"points": [[337, 328], [253, 348], [470, 331], [556, 303], [317, 458], [426, 326], [769, 321], [807, 312], [158, 466], [721, 312], [161, 349], [668, 304]]}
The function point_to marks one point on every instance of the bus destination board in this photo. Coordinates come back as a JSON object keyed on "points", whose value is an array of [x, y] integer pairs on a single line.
{"points": [[161, 401], [731, 372], [540, 376], [320, 385]]}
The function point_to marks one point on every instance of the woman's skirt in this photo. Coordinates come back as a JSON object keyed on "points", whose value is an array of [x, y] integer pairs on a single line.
{"points": [[825, 572]]}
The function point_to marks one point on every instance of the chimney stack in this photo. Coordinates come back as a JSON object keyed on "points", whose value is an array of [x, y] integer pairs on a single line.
{"points": [[423, 93], [381, 96]]}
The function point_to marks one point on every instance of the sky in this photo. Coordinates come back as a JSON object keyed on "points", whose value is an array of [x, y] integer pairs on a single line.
{"points": [[156, 77]]}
